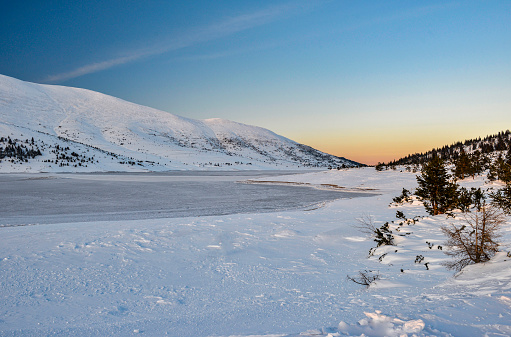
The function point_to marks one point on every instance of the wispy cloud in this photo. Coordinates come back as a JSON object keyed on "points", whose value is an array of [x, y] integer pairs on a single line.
{"points": [[233, 52], [212, 32], [91, 68]]}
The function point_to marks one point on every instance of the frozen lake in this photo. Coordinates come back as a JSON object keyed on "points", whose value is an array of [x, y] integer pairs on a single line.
{"points": [[61, 198]]}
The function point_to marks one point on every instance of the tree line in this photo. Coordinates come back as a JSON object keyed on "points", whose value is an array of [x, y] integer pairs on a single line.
{"points": [[481, 147], [18, 150]]}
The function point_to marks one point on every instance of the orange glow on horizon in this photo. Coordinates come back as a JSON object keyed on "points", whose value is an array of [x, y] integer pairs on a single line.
{"points": [[384, 146]]}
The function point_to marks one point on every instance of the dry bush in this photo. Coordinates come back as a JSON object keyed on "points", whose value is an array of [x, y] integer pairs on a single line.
{"points": [[475, 241], [365, 277], [365, 224]]}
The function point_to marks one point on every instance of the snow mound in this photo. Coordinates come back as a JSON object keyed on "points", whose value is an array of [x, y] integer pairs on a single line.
{"points": [[378, 325]]}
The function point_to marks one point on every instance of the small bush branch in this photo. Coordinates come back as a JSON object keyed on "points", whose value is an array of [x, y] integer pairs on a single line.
{"points": [[365, 277], [382, 236], [365, 224]]}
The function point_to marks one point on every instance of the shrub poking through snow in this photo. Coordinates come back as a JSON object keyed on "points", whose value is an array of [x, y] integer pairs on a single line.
{"points": [[404, 197], [476, 240], [382, 235], [365, 277]]}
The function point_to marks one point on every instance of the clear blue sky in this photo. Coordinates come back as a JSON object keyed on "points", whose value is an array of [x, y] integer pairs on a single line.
{"points": [[368, 80]]}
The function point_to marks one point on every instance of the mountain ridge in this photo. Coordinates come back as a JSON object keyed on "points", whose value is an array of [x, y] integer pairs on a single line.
{"points": [[155, 140]]}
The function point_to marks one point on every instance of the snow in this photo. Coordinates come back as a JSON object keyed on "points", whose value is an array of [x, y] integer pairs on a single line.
{"points": [[377, 324], [281, 273]]}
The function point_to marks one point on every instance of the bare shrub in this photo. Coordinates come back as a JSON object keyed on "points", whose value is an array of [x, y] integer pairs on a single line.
{"points": [[365, 277], [366, 224], [475, 241]]}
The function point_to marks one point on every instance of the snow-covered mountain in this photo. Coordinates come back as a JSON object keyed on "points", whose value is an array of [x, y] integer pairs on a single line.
{"points": [[82, 130]]}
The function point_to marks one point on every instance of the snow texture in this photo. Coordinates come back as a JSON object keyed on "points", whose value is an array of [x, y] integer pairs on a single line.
{"points": [[263, 274]]}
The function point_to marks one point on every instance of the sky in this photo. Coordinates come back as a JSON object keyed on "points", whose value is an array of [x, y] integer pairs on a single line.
{"points": [[371, 81]]}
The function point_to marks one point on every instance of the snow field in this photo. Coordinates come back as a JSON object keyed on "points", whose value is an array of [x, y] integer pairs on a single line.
{"points": [[274, 274]]}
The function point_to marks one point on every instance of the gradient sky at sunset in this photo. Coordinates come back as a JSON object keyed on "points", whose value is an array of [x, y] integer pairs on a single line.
{"points": [[368, 80]]}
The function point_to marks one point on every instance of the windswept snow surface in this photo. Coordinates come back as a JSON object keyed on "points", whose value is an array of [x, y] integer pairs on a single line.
{"points": [[118, 133], [273, 274]]}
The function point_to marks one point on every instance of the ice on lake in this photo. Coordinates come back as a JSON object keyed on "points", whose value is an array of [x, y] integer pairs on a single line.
{"points": [[64, 198]]}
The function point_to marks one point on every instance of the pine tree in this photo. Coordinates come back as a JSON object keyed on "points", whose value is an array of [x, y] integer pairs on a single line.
{"points": [[502, 198], [436, 189], [379, 166], [476, 163], [503, 168], [462, 165]]}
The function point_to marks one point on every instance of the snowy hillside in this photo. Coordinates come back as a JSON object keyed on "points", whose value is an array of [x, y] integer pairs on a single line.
{"points": [[123, 136]]}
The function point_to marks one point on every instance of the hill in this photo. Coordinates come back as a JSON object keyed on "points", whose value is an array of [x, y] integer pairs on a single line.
{"points": [[109, 134]]}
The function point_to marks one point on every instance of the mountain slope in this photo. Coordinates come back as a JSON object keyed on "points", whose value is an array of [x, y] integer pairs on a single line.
{"points": [[150, 138]]}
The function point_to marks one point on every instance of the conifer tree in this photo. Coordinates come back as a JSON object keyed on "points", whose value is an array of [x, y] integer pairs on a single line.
{"points": [[379, 166], [462, 165], [476, 164], [503, 169], [502, 198], [436, 189]]}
